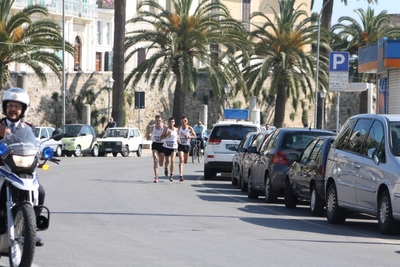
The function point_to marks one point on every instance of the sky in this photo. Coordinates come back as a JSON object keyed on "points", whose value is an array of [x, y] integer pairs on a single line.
{"points": [[339, 9]]}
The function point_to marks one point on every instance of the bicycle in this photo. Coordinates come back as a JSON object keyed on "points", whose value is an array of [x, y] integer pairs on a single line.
{"points": [[196, 153]]}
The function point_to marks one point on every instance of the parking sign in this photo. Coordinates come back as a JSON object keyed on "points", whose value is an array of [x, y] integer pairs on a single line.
{"points": [[339, 61], [338, 70]]}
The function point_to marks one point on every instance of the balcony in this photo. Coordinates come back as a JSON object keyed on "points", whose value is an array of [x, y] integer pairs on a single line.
{"points": [[72, 7]]}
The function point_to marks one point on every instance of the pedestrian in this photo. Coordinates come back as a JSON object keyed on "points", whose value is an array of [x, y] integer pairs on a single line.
{"points": [[186, 133], [111, 124], [170, 136], [157, 148], [267, 128], [15, 106]]}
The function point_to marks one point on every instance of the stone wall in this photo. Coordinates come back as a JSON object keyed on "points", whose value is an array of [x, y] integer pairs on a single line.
{"points": [[89, 88]]}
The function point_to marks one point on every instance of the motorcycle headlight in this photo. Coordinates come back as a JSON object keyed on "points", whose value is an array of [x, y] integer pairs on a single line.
{"points": [[23, 161]]}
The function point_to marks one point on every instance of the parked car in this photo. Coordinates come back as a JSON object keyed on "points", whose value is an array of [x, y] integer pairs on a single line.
{"points": [[270, 165], [44, 132], [221, 145], [305, 178], [238, 158], [363, 171], [121, 140], [78, 140], [252, 151]]}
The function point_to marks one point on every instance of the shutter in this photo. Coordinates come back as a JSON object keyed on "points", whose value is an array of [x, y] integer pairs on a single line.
{"points": [[393, 94]]}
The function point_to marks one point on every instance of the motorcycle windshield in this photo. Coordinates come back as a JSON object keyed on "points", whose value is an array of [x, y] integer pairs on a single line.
{"points": [[21, 140]]}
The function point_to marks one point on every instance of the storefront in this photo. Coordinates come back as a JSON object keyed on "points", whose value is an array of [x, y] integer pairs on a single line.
{"points": [[383, 58]]}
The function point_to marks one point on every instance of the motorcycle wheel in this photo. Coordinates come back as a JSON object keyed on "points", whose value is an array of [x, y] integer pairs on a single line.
{"points": [[22, 251]]}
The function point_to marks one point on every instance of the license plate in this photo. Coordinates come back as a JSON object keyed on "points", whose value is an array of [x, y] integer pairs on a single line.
{"points": [[228, 146], [108, 149]]}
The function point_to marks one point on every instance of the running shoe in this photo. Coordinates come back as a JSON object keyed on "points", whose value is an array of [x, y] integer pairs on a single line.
{"points": [[171, 178], [181, 179], [166, 171], [156, 179]]}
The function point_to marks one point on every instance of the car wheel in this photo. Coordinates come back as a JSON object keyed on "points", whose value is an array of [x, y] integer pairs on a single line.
{"points": [[251, 193], [78, 151], [290, 198], [208, 173], [115, 154], [95, 151], [139, 151], [334, 213], [58, 152], [387, 224], [270, 194], [316, 202], [234, 180], [125, 151]]}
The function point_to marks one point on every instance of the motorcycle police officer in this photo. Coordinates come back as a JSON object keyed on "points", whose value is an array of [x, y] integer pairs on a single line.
{"points": [[15, 106]]}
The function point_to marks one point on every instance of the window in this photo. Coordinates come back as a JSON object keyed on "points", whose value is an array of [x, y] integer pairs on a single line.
{"points": [[316, 150], [141, 56], [307, 152], [343, 137], [98, 32], [246, 4], [374, 140], [107, 33], [358, 135]]}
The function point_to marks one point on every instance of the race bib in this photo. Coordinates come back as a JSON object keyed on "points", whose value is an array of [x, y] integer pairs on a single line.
{"points": [[184, 141], [170, 144], [157, 139]]}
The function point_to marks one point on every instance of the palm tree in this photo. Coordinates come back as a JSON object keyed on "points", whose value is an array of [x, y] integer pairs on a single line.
{"points": [[356, 34], [118, 59], [175, 39], [283, 55], [29, 42]]}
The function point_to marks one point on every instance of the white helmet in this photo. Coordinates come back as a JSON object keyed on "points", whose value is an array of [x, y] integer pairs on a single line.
{"points": [[17, 94]]}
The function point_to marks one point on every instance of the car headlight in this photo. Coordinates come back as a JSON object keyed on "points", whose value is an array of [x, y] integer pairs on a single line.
{"points": [[23, 161], [99, 143], [119, 143]]}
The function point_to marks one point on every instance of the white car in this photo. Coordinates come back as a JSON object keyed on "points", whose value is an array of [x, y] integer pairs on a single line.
{"points": [[44, 132], [221, 145], [121, 140]]}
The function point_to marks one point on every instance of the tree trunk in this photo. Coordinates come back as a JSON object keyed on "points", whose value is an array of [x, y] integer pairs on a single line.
{"points": [[179, 100], [118, 103], [326, 21], [280, 106]]}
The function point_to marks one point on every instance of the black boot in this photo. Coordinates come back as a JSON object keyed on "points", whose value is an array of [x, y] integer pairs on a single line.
{"points": [[39, 241]]}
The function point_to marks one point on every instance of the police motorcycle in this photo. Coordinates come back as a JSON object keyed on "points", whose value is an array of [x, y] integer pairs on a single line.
{"points": [[19, 196]]}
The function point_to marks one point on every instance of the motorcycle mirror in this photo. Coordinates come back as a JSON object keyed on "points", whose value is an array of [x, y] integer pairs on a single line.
{"points": [[57, 134]]}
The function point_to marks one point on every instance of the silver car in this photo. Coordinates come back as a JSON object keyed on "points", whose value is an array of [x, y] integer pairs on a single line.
{"points": [[43, 133], [362, 172]]}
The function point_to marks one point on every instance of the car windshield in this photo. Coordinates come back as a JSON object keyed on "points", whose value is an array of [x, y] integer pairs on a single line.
{"points": [[71, 130], [116, 133]]}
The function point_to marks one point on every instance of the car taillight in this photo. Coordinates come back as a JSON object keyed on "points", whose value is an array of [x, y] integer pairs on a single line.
{"points": [[214, 141], [280, 158]]}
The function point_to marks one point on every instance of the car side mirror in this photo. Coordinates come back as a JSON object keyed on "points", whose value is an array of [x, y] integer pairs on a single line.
{"points": [[373, 154], [57, 134]]}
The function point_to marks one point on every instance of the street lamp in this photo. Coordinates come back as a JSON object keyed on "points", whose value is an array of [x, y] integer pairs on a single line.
{"points": [[109, 86], [317, 65], [323, 96], [227, 90]]}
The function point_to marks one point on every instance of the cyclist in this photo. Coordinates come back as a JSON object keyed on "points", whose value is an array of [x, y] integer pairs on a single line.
{"points": [[200, 130]]}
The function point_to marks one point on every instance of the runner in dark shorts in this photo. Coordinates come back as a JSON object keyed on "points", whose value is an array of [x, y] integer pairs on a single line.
{"points": [[158, 147], [168, 151], [184, 148]]}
